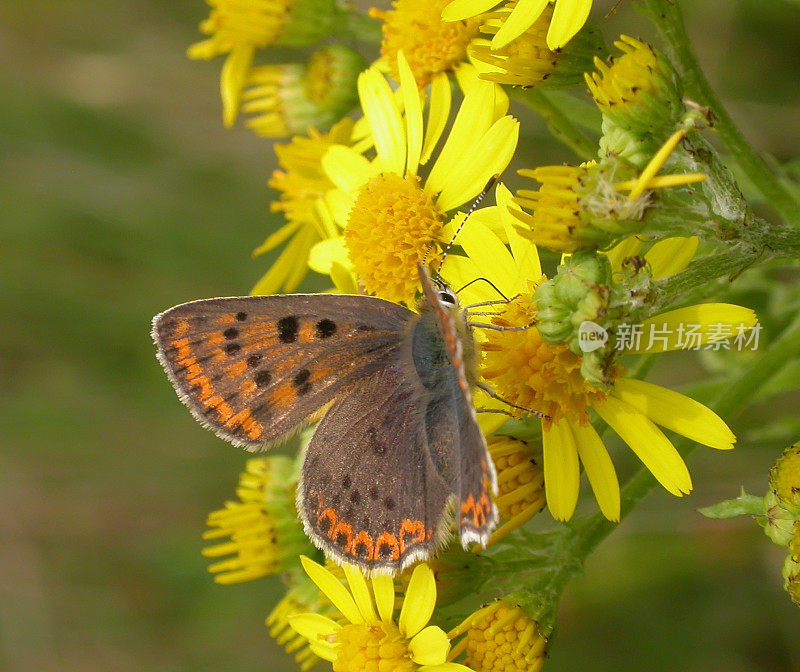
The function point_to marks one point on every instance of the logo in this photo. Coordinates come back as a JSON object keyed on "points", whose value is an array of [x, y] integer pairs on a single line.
{"points": [[591, 336]]}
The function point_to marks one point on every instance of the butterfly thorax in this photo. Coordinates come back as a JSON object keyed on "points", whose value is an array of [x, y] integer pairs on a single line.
{"points": [[429, 350]]}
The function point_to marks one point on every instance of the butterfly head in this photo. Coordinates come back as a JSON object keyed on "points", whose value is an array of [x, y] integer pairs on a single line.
{"points": [[444, 293]]}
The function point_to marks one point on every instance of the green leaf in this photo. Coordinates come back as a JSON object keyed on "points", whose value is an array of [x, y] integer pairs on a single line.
{"points": [[743, 505]]}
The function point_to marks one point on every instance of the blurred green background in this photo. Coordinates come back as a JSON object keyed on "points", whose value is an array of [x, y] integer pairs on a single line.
{"points": [[121, 195]]}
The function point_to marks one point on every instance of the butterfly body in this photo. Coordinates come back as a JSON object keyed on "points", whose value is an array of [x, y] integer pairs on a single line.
{"points": [[399, 446]]}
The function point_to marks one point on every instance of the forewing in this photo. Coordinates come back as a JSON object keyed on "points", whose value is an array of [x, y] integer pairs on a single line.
{"points": [[370, 494], [254, 368]]}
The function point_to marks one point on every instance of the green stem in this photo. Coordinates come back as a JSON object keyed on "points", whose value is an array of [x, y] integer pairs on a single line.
{"points": [[558, 123], [666, 15], [764, 241], [589, 533]]}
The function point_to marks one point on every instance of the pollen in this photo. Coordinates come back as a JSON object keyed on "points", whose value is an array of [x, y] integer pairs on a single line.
{"points": [[372, 646], [391, 225], [430, 44], [528, 372]]}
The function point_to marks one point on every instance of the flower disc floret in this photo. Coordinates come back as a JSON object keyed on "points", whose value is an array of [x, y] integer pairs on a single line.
{"points": [[501, 637], [525, 370], [391, 224], [431, 45]]}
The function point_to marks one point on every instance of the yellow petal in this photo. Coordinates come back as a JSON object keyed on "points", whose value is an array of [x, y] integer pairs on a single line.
{"points": [[419, 601], [347, 169], [385, 122], [561, 473], [413, 115], [630, 247], [526, 255], [326, 252], [294, 255], [438, 114], [338, 204], [474, 118], [677, 412], [277, 238], [568, 18], [325, 207], [343, 279], [429, 646], [692, 327], [313, 626], [358, 587], [492, 259], [521, 18], [445, 667], [489, 156], [336, 592], [599, 469], [464, 9], [306, 238], [324, 650], [468, 76], [648, 442], [231, 81], [671, 255], [383, 589]]}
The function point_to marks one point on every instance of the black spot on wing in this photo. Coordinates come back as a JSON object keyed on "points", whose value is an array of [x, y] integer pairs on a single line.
{"points": [[288, 328], [325, 328], [262, 378]]}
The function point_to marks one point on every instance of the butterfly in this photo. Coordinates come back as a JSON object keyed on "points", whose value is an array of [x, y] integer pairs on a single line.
{"points": [[398, 450]]}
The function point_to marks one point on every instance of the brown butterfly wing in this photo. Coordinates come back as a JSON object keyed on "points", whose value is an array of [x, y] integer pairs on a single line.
{"points": [[475, 477], [370, 493], [254, 368]]}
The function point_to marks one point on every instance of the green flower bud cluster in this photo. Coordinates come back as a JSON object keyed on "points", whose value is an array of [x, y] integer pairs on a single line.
{"points": [[640, 97], [582, 305]]}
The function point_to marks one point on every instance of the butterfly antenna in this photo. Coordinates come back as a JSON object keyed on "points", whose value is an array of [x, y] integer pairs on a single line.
{"points": [[472, 209]]}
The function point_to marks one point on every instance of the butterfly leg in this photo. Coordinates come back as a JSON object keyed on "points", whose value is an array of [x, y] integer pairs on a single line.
{"points": [[501, 411], [499, 327], [490, 303], [494, 395]]}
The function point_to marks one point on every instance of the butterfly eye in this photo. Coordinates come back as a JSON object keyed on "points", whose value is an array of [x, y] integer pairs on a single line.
{"points": [[447, 296]]}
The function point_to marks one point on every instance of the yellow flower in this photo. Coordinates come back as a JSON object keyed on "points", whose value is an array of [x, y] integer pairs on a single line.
{"points": [[500, 637], [527, 60], [537, 375], [297, 600], [430, 45], [240, 27], [265, 535], [369, 639], [638, 90], [568, 18], [588, 206], [291, 98], [388, 214], [301, 183]]}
